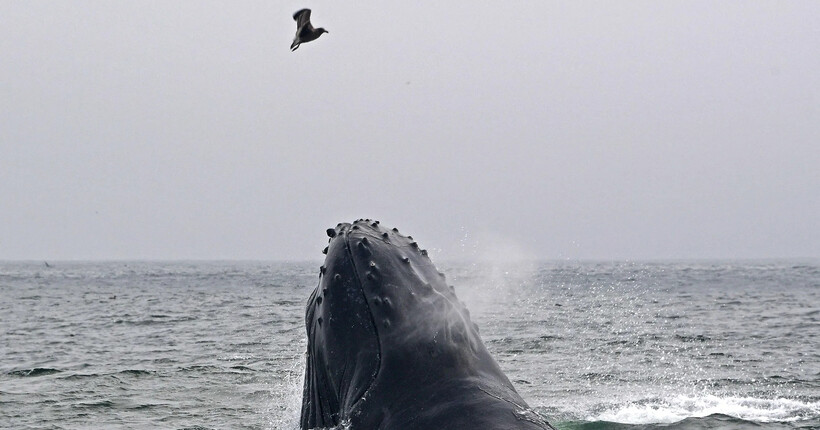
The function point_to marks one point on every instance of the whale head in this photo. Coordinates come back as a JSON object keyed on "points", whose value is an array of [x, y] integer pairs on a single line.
{"points": [[387, 337]]}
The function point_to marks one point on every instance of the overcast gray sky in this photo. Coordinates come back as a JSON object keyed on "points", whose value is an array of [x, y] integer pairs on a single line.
{"points": [[572, 129]]}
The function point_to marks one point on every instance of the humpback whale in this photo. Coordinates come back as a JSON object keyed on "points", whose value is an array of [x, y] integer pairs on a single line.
{"points": [[391, 347]]}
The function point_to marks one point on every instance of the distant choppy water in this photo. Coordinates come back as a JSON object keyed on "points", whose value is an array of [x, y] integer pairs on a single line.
{"points": [[590, 345]]}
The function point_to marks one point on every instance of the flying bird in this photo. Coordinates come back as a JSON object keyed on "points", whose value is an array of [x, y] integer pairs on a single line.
{"points": [[304, 29]]}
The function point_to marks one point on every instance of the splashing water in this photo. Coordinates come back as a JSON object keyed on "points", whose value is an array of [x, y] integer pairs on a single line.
{"points": [[677, 408]]}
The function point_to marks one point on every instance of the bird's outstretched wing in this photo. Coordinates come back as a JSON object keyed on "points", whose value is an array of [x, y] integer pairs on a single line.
{"points": [[302, 17]]}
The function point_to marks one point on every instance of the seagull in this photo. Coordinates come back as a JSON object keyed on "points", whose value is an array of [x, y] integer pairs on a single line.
{"points": [[304, 29]]}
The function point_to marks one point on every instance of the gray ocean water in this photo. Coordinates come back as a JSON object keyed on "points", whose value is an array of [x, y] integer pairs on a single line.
{"points": [[220, 345]]}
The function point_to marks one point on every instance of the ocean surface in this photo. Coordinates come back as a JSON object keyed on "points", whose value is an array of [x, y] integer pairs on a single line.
{"points": [[590, 345]]}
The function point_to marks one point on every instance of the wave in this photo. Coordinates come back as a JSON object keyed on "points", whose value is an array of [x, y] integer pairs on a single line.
{"points": [[681, 407], [245, 368], [715, 421], [200, 368], [102, 404], [37, 371], [156, 320], [135, 372]]}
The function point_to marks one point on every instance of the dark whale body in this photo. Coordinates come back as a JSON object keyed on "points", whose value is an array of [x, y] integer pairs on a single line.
{"points": [[390, 346]]}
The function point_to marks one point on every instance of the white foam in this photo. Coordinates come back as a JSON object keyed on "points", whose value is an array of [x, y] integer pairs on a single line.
{"points": [[287, 403], [652, 411]]}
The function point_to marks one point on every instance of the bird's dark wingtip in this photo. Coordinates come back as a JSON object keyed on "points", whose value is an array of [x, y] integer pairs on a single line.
{"points": [[299, 12]]}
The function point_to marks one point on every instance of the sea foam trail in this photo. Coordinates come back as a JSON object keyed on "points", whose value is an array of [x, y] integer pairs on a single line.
{"points": [[680, 407]]}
